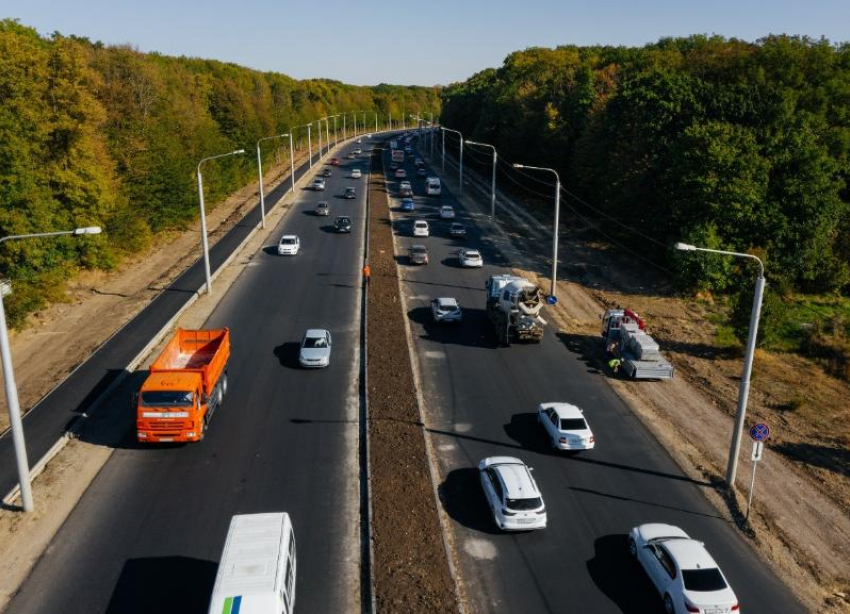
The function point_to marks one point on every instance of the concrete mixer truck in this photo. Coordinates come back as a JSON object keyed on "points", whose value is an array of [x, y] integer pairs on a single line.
{"points": [[513, 306]]}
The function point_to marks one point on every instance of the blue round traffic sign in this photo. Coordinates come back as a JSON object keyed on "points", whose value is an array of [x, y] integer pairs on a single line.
{"points": [[760, 432], [551, 299]]}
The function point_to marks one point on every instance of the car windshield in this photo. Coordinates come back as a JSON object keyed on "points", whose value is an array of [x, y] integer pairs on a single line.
{"points": [[703, 580], [418, 250], [287, 241], [473, 256], [532, 503], [315, 342], [167, 398], [573, 424], [446, 307]]}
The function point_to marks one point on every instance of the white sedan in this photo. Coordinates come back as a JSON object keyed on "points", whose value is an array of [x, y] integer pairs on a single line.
{"points": [[288, 245], [682, 570], [315, 349], [470, 258], [400, 173], [447, 212], [356, 174], [565, 426]]}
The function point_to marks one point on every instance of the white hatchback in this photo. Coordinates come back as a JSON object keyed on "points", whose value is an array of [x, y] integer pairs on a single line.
{"points": [[446, 310], [565, 426], [420, 228], [447, 212], [512, 494], [288, 245], [685, 574]]}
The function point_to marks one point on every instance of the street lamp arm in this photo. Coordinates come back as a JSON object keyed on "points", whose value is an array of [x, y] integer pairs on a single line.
{"points": [[685, 247], [224, 155], [89, 230]]}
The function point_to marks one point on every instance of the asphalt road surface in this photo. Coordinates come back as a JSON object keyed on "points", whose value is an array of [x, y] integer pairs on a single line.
{"points": [[45, 423], [147, 535], [481, 401]]}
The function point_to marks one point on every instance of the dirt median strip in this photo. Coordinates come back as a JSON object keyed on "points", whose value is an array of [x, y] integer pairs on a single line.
{"points": [[412, 575]]}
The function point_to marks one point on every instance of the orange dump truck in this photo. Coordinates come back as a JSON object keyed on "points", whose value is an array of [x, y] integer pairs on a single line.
{"points": [[186, 383]]}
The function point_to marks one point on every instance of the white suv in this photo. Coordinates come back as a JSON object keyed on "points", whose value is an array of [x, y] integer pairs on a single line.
{"points": [[288, 245], [420, 228], [512, 494]]}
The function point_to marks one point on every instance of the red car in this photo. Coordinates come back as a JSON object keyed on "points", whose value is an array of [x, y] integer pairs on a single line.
{"points": [[334, 161]]}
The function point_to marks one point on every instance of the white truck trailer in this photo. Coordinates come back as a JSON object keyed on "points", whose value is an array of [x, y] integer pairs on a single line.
{"points": [[624, 337]]}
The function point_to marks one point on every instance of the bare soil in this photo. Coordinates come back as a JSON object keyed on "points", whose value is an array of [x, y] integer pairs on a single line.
{"points": [[410, 564], [60, 337], [800, 521]]}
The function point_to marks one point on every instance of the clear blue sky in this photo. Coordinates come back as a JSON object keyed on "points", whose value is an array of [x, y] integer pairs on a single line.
{"points": [[367, 42]]}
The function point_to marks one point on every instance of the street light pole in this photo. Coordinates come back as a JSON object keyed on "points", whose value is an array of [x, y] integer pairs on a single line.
{"points": [[376, 121], [493, 184], [319, 126], [431, 134], [204, 241], [260, 171], [443, 161], [336, 141], [12, 402], [291, 162], [744, 387], [460, 175], [344, 133], [553, 288], [328, 134]]}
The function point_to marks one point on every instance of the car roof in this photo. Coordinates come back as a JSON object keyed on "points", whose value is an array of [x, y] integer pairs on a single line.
{"points": [[418, 246], [564, 410], [315, 332], [447, 207], [447, 301], [288, 237], [470, 252], [656, 530], [516, 479], [690, 554]]}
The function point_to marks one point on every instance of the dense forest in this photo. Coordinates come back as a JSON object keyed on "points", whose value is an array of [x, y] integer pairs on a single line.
{"points": [[717, 142], [103, 135]]}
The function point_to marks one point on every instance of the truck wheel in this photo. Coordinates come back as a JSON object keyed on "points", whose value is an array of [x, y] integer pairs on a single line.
{"points": [[219, 395], [224, 384]]}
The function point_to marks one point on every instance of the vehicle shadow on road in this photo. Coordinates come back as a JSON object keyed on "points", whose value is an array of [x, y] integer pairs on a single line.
{"points": [[620, 577], [527, 432], [588, 348], [163, 584], [471, 332], [287, 354], [463, 500]]}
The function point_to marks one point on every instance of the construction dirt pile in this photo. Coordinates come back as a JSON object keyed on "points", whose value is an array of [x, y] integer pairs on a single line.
{"points": [[411, 569]]}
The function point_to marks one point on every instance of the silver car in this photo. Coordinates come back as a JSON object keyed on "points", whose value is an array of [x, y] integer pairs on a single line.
{"points": [[315, 349], [446, 310]]}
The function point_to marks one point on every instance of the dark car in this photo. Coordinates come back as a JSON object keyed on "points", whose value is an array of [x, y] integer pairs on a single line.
{"points": [[327, 172], [349, 193], [421, 172], [342, 223], [457, 230]]}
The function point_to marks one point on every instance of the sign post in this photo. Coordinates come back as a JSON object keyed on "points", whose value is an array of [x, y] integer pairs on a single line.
{"points": [[759, 434]]}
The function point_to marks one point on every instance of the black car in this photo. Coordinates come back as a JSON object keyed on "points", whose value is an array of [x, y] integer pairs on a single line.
{"points": [[349, 193], [342, 223], [326, 173]]}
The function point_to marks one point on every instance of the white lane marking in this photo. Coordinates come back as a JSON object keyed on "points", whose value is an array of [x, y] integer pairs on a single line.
{"points": [[463, 427], [480, 549], [446, 447], [437, 354]]}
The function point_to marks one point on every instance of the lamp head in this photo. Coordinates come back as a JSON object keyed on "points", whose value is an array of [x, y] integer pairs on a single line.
{"points": [[685, 247], [88, 230], [239, 151], [515, 165]]}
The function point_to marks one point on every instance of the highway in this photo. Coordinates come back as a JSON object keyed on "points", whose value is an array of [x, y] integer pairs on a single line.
{"points": [[147, 535], [480, 401], [45, 423]]}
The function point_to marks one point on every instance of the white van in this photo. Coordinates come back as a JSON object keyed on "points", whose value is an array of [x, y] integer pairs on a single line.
{"points": [[432, 186], [257, 570]]}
